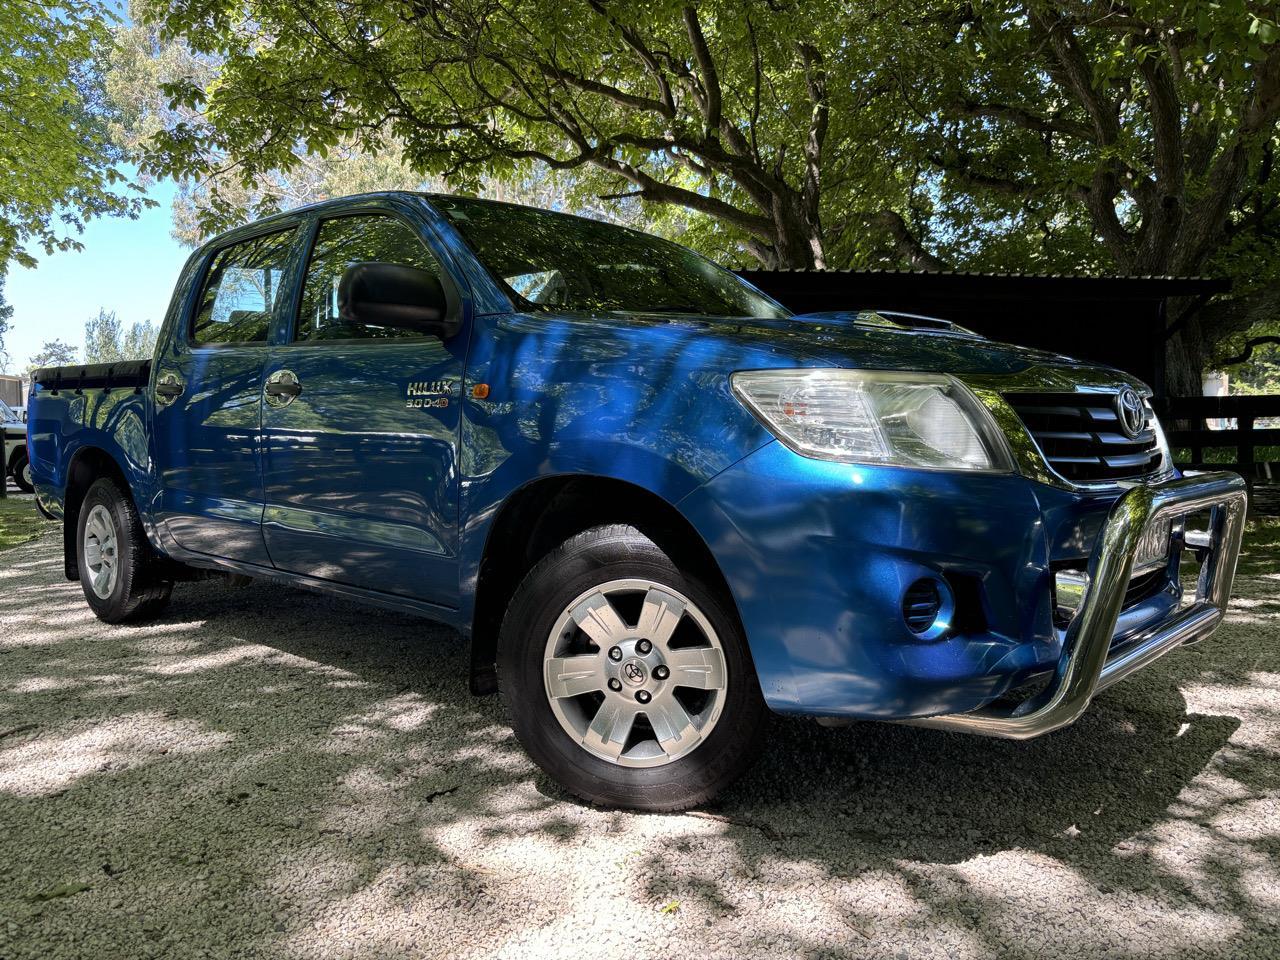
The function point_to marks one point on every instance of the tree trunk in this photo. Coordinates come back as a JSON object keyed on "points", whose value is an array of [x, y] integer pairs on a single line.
{"points": [[794, 246], [1184, 361], [1187, 352]]}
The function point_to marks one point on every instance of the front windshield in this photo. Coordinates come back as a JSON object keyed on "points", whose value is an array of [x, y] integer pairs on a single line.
{"points": [[560, 262], [8, 414]]}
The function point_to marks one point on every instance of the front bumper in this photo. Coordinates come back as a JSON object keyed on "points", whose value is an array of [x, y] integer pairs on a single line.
{"points": [[1087, 664], [817, 557]]}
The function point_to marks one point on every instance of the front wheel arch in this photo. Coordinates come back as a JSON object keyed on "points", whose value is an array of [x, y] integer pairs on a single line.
{"points": [[540, 515]]}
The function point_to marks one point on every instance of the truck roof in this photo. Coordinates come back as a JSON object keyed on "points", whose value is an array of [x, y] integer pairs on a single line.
{"points": [[355, 200]]}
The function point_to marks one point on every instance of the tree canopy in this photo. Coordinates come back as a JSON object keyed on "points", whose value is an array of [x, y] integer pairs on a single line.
{"points": [[107, 340], [53, 353], [143, 65], [1133, 138], [6, 314], [58, 163]]}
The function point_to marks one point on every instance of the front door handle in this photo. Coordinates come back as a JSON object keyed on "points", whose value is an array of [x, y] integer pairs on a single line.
{"points": [[168, 389], [281, 388]]}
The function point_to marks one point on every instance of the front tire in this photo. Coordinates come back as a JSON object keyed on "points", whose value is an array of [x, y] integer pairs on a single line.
{"points": [[21, 472], [626, 678], [119, 571]]}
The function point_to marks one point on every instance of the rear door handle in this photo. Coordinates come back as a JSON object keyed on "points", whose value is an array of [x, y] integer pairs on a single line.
{"points": [[281, 388], [168, 389]]}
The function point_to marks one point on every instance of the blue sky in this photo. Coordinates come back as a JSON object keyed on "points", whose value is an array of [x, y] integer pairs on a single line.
{"points": [[128, 266]]}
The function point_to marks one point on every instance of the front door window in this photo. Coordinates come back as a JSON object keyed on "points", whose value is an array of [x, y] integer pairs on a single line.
{"points": [[340, 243]]}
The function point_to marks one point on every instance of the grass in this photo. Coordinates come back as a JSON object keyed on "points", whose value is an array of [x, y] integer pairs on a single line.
{"points": [[19, 521], [1260, 553], [1226, 455]]}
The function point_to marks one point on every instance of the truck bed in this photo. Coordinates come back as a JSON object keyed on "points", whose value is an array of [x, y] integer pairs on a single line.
{"points": [[102, 406]]}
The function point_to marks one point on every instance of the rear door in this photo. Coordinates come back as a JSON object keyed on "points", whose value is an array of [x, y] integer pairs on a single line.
{"points": [[361, 473], [208, 387]]}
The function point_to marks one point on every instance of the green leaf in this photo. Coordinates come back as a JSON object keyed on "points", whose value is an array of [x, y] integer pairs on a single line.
{"points": [[958, 125]]}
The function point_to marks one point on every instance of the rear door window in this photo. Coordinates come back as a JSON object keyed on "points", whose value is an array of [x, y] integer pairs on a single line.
{"points": [[241, 289]]}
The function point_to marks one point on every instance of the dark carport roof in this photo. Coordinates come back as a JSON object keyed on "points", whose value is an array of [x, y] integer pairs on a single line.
{"points": [[1121, 321], [971, 284]]}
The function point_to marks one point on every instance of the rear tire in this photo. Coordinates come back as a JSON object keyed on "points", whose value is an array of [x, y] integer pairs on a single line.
{"points": [[626, 678], [119, 572], [21, 472]]}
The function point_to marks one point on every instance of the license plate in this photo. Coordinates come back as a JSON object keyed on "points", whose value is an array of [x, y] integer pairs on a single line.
{"points": [[1153, 546]]}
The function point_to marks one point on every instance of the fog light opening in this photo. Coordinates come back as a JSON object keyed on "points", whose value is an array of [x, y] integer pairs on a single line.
{"points": [[928, 608], [1069, 588]]}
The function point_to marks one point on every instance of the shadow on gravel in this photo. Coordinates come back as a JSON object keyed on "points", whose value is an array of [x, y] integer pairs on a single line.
{"points": [[270, 771], [1138, 800]]}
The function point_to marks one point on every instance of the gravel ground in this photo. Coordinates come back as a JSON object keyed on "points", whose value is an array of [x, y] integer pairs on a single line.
{"points": [[271, 773]]}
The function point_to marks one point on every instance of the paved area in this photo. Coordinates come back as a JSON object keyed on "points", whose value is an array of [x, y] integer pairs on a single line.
{"points": [[270, 773]]}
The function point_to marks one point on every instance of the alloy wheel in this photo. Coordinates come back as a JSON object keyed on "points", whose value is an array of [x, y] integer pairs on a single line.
{"points": [[100, 551], [635, 673]]}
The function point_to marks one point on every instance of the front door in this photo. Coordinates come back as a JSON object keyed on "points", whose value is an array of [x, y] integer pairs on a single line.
{"points": [[208, 402], [360, 425]]}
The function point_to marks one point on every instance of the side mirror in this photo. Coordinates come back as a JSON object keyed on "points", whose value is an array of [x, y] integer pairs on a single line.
{"points": [[392, 295]]}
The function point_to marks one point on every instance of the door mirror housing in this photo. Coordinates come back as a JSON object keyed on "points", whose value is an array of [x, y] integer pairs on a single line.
{"points": [[394, 295]]}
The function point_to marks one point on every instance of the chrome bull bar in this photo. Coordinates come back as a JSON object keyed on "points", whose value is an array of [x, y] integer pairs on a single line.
{"points": [[1085, 665]]}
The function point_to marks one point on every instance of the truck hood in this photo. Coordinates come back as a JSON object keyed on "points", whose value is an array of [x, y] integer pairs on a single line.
{"points": [[841, 340]]}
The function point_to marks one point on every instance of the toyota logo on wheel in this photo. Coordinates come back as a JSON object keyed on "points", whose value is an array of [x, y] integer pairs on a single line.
{"points": [[633, 672], [1130, 412]]}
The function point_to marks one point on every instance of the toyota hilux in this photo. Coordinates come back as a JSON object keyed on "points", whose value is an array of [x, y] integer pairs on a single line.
{"points": [[657, 504]]}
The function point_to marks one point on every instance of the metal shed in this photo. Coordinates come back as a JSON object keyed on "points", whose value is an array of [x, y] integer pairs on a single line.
{"points": [[11, 390]]}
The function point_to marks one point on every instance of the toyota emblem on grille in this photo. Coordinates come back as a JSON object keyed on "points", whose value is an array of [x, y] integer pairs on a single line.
{"points": [[1130, 412]]}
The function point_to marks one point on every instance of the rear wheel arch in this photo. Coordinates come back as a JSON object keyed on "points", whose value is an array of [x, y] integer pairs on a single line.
{"points": [[88, 464], [542, 514]]}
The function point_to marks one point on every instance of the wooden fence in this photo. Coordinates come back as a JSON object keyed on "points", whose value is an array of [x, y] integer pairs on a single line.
{"points": [[1194, 425]]}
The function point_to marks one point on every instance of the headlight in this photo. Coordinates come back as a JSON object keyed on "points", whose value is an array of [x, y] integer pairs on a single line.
{"points": [[884, 417]]}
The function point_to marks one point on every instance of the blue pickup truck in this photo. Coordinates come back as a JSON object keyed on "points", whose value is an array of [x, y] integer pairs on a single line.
{"points": [[656, 503]]}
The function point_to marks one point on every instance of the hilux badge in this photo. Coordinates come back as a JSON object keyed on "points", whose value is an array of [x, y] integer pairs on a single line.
{"points": [[1130, 412], [428, 393]]}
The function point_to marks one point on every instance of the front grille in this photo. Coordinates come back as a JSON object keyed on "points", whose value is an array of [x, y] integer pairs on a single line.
{"points": [[1079, 435]]}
